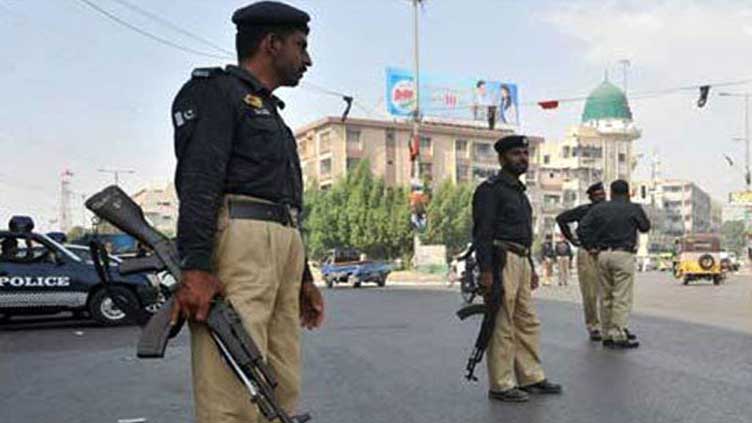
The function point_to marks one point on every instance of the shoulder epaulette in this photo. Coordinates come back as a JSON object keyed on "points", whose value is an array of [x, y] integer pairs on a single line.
{"points": [[207, 72]]}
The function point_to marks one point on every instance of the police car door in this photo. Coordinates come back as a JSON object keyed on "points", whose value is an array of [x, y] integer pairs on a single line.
{"points": [[33, 277]]}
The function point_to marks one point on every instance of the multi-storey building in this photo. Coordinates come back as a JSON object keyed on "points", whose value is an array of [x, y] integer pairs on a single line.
{"points": [[599, 149], [160, 206], [330, 148]]}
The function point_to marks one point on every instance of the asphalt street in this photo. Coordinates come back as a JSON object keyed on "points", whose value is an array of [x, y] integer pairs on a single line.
{"points": [[391, 355]]}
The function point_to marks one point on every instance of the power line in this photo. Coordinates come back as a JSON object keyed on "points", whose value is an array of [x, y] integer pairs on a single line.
{"points": [[173, 26], [147, 34]]}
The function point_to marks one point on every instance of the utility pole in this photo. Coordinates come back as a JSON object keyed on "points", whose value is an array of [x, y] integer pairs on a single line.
{"points": [[415, 182], [747, 174], [65, 197], [416, 71], [116, 173]]}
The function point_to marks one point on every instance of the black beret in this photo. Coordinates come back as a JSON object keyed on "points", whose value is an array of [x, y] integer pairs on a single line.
{"points": [[269, 13], [598, 186], [511, 141]]}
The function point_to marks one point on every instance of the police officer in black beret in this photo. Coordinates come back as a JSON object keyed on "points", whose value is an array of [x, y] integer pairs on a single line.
{"points": [[587, 267], [609, 232], [240, 186], [503, 226]]}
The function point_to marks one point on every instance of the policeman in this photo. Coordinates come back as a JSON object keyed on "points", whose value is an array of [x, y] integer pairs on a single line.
{"points": [[239, 182], [502, 219], [586, 264], [609, 232]]}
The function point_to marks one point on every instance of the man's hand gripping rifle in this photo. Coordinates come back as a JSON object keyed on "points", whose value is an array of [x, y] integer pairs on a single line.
{"points": [[489, 310], [236, 346]]}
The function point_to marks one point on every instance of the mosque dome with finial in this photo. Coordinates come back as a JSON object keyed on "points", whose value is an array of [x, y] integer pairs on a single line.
{"points": [[607, 101]]}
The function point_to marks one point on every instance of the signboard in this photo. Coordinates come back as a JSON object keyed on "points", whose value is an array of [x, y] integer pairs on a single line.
{"points": [[743, 198], [445, 97]]}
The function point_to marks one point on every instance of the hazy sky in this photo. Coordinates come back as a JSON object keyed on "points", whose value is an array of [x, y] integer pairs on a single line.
{"points": [[80, 92]]}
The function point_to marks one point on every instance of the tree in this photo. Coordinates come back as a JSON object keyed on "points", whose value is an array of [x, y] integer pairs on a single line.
{"points": [[77, 232], [360, 212], [450, 216], [733, 235]]}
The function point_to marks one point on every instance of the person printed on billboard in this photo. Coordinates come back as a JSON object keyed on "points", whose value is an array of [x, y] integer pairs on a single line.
{"points": [[481, 100], [507, 106]]}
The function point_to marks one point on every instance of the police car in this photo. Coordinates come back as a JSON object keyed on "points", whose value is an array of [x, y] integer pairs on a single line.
{"points": [[38, 275]]}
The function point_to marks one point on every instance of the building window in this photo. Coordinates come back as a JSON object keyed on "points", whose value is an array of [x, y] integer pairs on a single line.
{"points": [[325, 168], [551, 200], [325, 142], [570, 196], [352, 163], [622, 157], [460, 148], [482, 150], [353, 137], [587, 152], [480, 173], [546, 159], [462, 173], [425, 144], [391, 138], [565, 152]]}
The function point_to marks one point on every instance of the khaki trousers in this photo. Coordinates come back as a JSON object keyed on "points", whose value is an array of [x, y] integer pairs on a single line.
{"points": [[563, 265], [616, 276], [587, 273], [260, 265], [513, 355]]}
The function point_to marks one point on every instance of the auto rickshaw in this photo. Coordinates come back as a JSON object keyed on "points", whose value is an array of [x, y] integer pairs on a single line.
{"points": [[699, 257]]}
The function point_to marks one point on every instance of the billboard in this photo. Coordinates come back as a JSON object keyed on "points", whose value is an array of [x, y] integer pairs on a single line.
{"points": [[744, 197], [474, 99]]}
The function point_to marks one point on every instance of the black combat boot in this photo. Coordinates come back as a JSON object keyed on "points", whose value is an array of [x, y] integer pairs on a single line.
{"points": [[542, 387], [510, 395]]}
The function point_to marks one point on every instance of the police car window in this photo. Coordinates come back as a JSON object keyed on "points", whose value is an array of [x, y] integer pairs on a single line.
{"points": [[25, 250], [9, 249]]}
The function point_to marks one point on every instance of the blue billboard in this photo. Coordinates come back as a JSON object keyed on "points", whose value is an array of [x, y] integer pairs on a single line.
{"points": [[452, 98]]}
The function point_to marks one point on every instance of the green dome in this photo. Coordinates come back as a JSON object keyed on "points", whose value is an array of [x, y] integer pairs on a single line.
{"points": [[606, 102]]}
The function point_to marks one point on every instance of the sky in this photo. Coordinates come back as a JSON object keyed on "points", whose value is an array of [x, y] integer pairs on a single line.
{"points": [[82, 93]]}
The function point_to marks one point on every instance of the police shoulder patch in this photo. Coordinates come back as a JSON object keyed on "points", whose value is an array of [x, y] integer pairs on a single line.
{"points": [[207, 72]]}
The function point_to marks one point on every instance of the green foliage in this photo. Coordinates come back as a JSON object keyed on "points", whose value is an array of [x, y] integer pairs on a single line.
{"points": [[77, 232], [733, 236], [359, 211], [449, 216]]}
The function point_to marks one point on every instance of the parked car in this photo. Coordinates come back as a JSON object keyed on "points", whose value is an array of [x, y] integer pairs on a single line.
{"points": [[38, 276], [348, 266], [729, 261]]}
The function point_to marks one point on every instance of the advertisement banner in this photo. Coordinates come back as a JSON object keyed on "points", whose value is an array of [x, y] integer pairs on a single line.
{"points": [[454, 98], [744, 197]]}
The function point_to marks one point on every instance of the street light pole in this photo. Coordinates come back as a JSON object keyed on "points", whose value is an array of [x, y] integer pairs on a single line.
{"points": [[416, 113], [747, 173], [116, 173], [747, 176]]}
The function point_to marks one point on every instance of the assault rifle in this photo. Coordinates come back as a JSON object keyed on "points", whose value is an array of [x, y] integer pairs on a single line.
{"points": [[235, 344], [489, 310]]}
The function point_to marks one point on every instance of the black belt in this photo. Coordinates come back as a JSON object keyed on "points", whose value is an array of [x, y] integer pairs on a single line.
{"points": [[278, 213], [622, 249], [512, 247]]}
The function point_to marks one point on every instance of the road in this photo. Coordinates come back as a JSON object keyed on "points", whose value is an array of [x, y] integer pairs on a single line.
{"points": [[394, 355]]}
